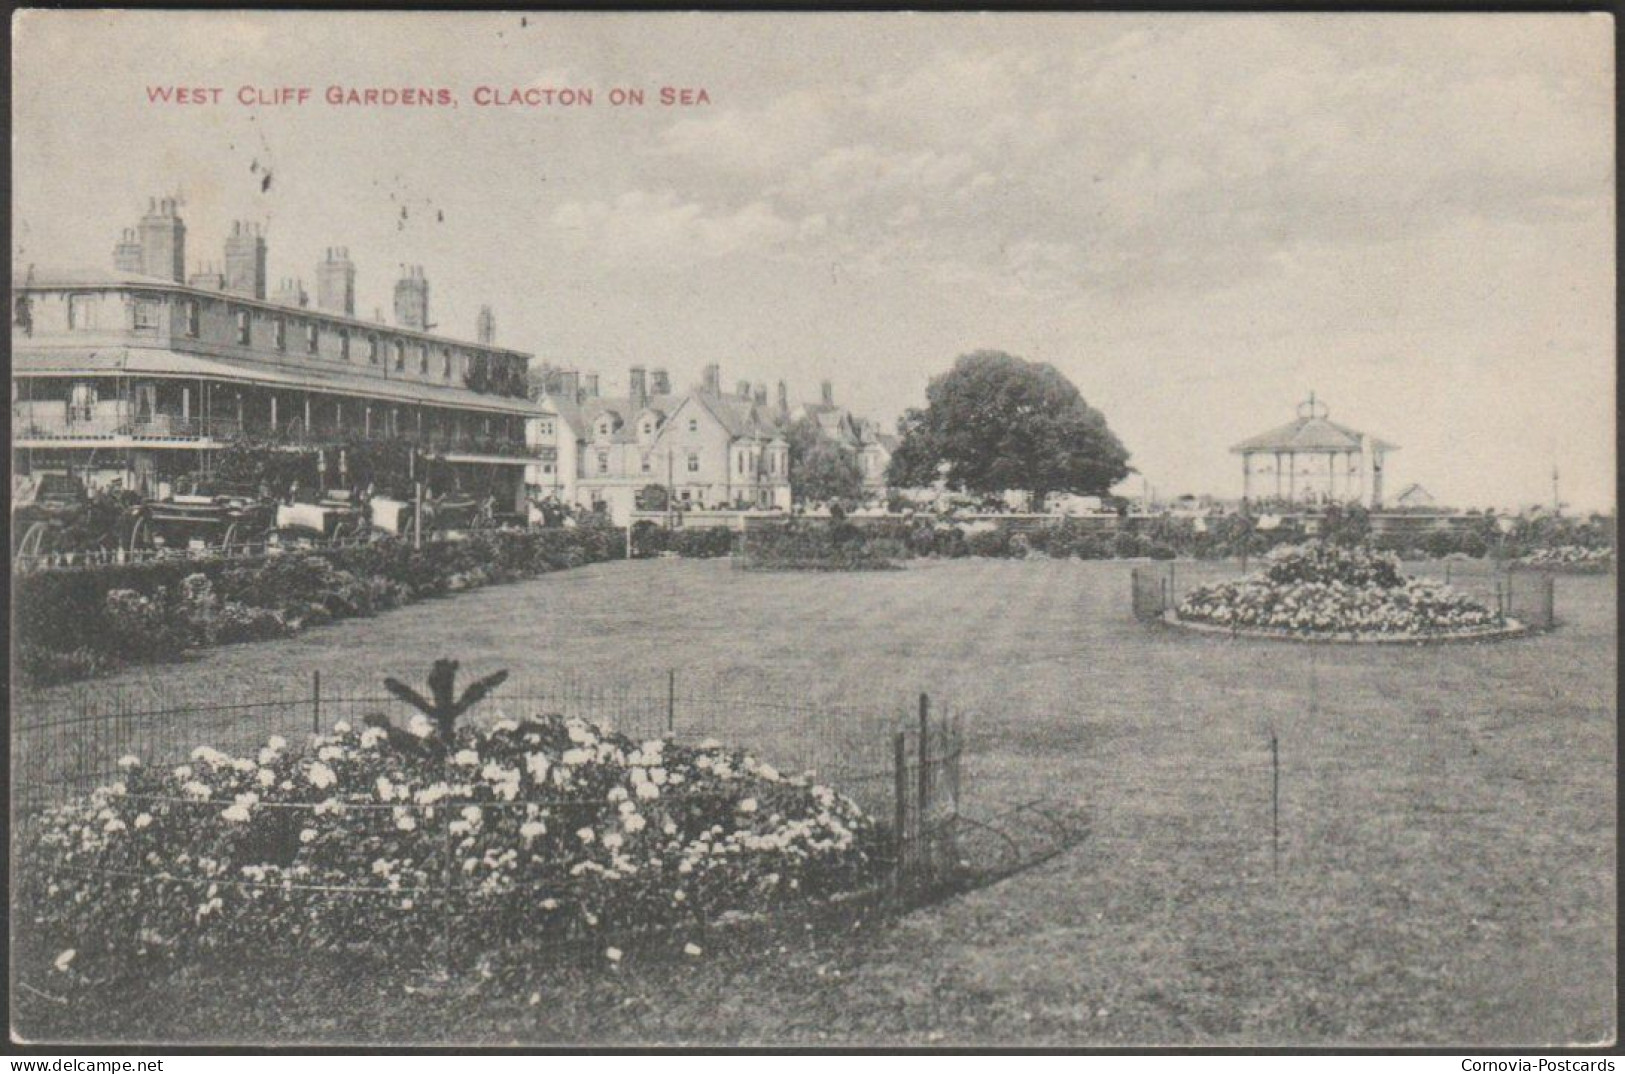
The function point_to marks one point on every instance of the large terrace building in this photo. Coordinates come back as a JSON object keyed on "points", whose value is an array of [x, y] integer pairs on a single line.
{"points": [[138, 374]]}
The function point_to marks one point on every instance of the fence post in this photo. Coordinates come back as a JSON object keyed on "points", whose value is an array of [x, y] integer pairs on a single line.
{"points": [[316, 702], [900, 788], [671, 701], [925, 780]]}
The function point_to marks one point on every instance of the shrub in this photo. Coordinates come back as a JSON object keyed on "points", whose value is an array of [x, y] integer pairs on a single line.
{"points": [[152, 611], [555, 830], [993, 543]]}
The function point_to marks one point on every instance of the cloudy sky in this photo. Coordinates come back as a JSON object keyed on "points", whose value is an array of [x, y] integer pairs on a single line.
{"points": [[1199, 219]]}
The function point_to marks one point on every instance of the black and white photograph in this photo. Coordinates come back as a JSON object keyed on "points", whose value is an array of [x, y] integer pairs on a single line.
{"points": [[813, 530]]}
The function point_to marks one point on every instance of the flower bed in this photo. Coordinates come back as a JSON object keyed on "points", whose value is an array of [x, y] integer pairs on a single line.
{"points": [[1319, 590], [524, 838], [73, 623], [1571, 559]]}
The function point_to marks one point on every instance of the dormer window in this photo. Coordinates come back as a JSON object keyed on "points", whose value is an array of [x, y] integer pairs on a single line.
{"points": [[344, 344], [445, 371], [372, 350], [313, 338], [279, 333], [693, 425], [423, 360], [146, 315], [400, 357], [243, 328], [194, 318]]}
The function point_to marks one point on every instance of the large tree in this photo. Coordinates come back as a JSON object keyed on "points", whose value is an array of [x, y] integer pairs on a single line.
{"points": [[997, 422], [821, 470]]}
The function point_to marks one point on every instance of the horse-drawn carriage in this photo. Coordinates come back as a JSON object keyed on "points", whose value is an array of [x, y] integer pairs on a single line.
{"points": [[332, 515], [203, 514], [54, 514]]}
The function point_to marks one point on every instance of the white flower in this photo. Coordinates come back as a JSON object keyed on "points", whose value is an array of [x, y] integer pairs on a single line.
{"points": [[691, 949], [276, 742], [142, 820], [472, 814], [633, 822], [237, 813], [197, 790], [584, 834], [460, 827], [308, 835], [612, 840], [550, 904], [612, 953], [679, 895], [404, 820], [537, 765], [330, 753], [321, 776], [532, 828], [371, 737], [64, 959], [467, 758], [342, 727], [647, 791], [575, 757], [657, 776], [129, 760], [114, 825], [386, 789], [748, 806], [419, 725], [183, 772]]}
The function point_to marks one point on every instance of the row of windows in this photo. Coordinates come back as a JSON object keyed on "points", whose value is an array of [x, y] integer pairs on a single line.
{"points": [[648, 463], [82, 317]]}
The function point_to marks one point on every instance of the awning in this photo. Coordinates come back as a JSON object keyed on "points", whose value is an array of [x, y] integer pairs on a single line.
{"points": [[155, 362]]}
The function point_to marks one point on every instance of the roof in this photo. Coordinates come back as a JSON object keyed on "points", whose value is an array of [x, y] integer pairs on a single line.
{"points": [[69, 361], [1311, 432], [55, 279], [587, 411], [737, 416]]}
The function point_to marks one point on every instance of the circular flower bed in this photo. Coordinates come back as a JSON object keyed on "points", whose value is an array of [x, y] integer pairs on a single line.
{"points": [[1570, 558], [1320, 590], [512, 839]]}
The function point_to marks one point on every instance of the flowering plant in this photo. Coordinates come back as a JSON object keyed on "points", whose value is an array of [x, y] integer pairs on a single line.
{"points": [[1325, 589], [379, 839]]}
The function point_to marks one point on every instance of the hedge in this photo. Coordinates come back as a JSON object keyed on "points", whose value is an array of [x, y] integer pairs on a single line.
{"points": [[75, 623]]}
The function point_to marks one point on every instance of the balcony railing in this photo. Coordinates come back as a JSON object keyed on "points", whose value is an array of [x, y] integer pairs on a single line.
{"points": [[55, 421]]}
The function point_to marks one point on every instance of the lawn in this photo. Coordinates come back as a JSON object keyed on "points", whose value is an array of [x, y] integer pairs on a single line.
{"points": [[1447, 842]]}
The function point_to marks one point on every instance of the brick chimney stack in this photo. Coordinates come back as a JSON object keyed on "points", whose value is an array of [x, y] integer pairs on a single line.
{"points": [[485, 329], [335, 282], [759, 396], [713, 379], [589, 385], [163, 241], [291, 292], [245, 260], [208, 277], [127, 254], [659, 382], [828, 393], [784, 398], [638, 385], [742, 389], [412, 299]]}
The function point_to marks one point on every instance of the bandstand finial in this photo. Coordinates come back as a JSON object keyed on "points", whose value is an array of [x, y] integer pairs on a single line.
{"points": [[1312, 408]]}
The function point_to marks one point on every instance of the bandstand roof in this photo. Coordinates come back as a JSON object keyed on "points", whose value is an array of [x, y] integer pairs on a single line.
{"points": [[1312, 432]]}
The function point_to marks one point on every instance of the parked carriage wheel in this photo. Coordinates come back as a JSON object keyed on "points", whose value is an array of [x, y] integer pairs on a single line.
{"points": [[229, 542], [36, 540], [140, 537]]}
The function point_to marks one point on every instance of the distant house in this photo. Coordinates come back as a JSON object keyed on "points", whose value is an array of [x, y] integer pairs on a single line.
{"points": [[1414, 495]]}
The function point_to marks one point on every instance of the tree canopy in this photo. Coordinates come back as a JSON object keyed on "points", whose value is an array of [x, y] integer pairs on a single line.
{"points": [[997, 422], [821, 470]]}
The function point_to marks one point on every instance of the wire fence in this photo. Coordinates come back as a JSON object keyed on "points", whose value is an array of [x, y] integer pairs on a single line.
{"points": [[899, 764]]}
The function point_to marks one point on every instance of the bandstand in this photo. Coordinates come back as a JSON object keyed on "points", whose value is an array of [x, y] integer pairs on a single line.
{"points": [[1312, 462]]}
